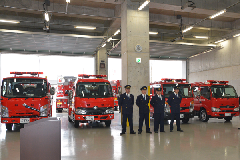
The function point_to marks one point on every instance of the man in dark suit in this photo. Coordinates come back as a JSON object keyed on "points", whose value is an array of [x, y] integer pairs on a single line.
{"points": [[174, 101], [142, 102], [158, 103], [126, 102]]}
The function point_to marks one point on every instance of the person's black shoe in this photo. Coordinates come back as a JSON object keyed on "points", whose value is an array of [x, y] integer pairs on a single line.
{"points": [[139, 132], [162, 131], [132, 132], [156, 131], [122, 133], [180, 130], [149, 132], [171, 131]]}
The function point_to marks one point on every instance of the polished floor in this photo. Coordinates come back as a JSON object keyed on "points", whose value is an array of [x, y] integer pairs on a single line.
{"points": [[216, 139]]}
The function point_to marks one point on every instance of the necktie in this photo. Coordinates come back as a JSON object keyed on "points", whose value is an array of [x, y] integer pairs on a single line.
{"points": [[177, 95], [145, 97]]}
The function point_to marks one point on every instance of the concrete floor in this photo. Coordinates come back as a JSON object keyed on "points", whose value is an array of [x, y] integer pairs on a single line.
{"points": [[206, 141]]}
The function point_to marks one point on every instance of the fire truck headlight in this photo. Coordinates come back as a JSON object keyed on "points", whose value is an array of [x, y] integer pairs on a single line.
{"points": [[236, 109], [166, 108], [109, 111], [81, 111], [4, 111], [43, 111], [191, 108], [214, 109]]}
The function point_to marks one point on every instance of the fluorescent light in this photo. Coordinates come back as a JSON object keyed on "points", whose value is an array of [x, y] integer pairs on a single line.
{"points": [[104, 45], [236, 35], [68, 1], [85, 27], [153, 32], [218, 14], [143, 5], [201, 37], [118, 31], [46, 15], [8, 21], [220, 41], [187, 29], [109, 39]]}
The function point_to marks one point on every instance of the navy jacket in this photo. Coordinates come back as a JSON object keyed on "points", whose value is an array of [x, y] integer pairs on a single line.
{"points": [[143, 104], [126, 103], [174, 102], [158, 104]]}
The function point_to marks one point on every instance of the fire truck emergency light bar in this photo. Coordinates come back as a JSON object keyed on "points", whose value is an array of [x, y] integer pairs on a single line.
{"points": [[21, 73], [87, 76], [220, 82], [167, 79], [180, 80]]}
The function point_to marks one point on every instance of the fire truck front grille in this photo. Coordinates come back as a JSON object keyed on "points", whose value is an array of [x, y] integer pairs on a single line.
{"points": [[104, 117], [183, 108], [227, 106], [24, 116], [227, 111]]}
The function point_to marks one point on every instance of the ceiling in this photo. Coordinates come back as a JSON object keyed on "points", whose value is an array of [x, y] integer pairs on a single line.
{"points": [[105, 15]]}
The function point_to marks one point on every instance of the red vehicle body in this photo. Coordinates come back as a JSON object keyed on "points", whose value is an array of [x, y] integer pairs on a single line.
{"points": [[117, 90], [187, 103], [215, 99], [93, 101], [25, 99], [62, 99]]}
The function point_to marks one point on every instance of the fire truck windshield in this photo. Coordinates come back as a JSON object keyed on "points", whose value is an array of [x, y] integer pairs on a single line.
{"points": [[94, 90], [24, 88], [223, 91], [185, 90]]}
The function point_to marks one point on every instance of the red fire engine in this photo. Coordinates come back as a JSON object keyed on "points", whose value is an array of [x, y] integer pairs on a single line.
{"points": [[93, 101], [62, 99], [117, 90], [25, 99], [215, 99], [187, 104]]}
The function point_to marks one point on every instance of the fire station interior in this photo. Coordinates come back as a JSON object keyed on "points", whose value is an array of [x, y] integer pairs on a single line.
{"points": [[141, 43]]}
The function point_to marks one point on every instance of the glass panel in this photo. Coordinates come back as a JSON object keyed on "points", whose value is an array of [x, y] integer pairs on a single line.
{"points": [[223, 91]]}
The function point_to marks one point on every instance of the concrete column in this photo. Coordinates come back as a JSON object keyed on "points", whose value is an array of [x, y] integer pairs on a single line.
{"points": [[0, 74], [102, 62], [134, 31]]}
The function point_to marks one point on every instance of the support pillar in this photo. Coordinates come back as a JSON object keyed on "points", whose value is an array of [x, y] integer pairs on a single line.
{"points": [[135, 32], [102, 62]]}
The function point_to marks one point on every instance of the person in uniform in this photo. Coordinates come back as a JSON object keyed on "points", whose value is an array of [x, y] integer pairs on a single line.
{"points": [[174, 101], [126, 102], [142, 102], [158, 103]]}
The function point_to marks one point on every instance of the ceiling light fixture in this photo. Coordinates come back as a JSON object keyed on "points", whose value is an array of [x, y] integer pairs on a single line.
{"points": [[68, 1], [143, 5], [153, 32], [187, 29], [109, 39], [118, 31], [220, 41], [104, 45], [85, 27], [201, 37], [46, 15], [236, 35], [8, 21], [218, 14]]}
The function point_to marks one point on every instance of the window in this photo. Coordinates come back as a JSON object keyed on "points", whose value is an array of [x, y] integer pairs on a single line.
{"points": [[205, 92], [223, 91]]}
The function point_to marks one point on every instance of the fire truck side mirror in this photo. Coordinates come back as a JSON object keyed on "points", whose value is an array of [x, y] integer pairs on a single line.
{"points": [[198, 93], [52, 90], [119, 90], [70, 94]]}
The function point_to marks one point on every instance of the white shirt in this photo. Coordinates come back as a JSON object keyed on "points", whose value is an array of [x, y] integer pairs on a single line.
{"points": [[144, 96], [176, 94], [128, 95], [160, 96]]}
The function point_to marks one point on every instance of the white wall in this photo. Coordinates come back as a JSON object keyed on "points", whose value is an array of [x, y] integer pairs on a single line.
{"points": [[51, 66], [114, 69], [223, 64]]}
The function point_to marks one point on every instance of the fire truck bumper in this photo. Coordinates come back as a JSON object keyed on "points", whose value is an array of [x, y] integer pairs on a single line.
{"points": [[185, 115], [224, 114], [94, 117], [20, 120]]}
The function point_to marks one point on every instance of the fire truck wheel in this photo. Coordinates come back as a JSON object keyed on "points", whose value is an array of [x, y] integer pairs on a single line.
{"points": [[76, 124], [21, 125], [9, 126], [108, 123], [185, 120], [203, 116], [228, 119], [69, 119]]}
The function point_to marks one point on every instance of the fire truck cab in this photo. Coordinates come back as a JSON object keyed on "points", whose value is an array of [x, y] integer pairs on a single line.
{"points": [[93, 101], [215, 99], [64, 88], [187, 104], [25, 99]]}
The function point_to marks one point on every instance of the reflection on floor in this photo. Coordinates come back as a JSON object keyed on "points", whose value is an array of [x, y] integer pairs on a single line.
{"points": [[216, 139]]}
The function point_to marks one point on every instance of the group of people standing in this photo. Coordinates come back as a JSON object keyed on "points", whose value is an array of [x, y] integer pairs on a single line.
{"points": [[126, 102]]}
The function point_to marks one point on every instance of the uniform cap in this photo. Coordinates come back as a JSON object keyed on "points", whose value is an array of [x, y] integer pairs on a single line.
{"points": [[127, 87], [176, 87], [143, 88], [158, 89]]}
